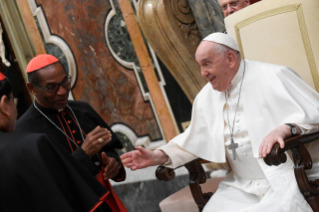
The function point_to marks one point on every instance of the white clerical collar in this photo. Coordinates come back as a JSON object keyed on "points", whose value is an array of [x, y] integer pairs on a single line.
{"points": [[238, 75]]}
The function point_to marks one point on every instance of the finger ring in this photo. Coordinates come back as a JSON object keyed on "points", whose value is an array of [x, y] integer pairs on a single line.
{"points": [[100, 140]]}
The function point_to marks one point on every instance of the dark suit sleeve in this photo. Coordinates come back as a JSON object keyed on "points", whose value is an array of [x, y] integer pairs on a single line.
{"points": [[109, 149], [86, 161]]}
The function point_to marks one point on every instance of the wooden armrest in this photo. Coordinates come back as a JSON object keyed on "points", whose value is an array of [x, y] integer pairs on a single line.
{"points": [[164, 174], [302, 162], [197, 176], [278, 156]]}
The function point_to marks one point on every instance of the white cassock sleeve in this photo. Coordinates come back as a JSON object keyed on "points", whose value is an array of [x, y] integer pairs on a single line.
{"points": [[308, 128], [177, 156]]}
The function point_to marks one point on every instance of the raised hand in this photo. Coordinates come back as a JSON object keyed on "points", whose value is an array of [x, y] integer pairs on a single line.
{"points": [[142, 158], [95, 140]]}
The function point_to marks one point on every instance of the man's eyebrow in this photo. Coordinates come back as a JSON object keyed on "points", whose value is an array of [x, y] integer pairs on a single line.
{"points": [[204, 60], [54, 83]]}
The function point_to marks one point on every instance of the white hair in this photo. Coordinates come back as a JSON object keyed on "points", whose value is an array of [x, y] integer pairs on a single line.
{"points": [[223, 50]]}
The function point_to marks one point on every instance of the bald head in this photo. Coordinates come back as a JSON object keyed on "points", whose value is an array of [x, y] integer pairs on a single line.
{"points": [[231, 6]]}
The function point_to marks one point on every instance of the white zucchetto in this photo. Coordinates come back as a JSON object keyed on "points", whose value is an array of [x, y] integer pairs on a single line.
{"points": [[222, 38]]}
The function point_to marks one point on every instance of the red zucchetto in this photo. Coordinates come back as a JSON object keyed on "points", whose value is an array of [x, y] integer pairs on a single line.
{"points": [[41, 61], [2, 77]]}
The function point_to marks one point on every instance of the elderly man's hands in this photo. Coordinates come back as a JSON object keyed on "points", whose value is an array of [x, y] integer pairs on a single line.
{"points": [[142, 158], [95, 140], [276, 136], [112, 167]]}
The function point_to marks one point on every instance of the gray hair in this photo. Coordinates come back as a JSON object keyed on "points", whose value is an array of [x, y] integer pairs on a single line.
{"points": [[221, 49]]}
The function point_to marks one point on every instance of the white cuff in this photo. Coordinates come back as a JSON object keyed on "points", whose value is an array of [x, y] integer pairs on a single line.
{"points": [[308, 128]]}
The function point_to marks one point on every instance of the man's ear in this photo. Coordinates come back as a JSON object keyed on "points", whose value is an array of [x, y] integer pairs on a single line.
{"points": [[4, 106], [231, 58], [32, 88]]}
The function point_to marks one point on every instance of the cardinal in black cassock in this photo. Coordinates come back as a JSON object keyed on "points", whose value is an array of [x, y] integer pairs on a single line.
{"points": [[72, 124], [38, 174]]}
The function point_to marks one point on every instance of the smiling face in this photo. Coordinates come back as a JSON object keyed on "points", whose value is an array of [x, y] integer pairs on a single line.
{"points": [[49, 76], [218, 67]]}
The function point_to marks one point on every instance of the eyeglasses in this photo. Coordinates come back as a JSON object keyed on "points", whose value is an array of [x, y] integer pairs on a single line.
{"points": [[66, 83], [231, 4]]}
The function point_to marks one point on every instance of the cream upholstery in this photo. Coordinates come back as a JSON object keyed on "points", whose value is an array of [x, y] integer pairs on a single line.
{"points": [[282, 32], [182, 201]]}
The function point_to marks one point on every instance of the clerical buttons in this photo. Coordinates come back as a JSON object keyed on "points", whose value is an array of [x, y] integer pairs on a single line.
{"points": [[73, 131], [78, 142], [69, 122]]}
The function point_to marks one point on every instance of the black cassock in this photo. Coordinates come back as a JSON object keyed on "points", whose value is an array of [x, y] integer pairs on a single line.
{"points": [[33, 121], [37, 174]]}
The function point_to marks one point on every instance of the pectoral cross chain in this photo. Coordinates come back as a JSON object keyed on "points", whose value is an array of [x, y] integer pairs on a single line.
{"points": [[233, 147]]}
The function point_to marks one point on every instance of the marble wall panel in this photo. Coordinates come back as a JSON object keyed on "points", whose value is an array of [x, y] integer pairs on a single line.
{"points": [[109, 87]]}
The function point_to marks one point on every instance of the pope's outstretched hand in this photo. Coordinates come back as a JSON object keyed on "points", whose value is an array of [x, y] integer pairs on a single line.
{"points": [[142, 158]]}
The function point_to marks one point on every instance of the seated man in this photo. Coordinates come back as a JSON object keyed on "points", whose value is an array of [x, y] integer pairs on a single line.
{"points": [[37, 174], [74, 125], [252, 106]]}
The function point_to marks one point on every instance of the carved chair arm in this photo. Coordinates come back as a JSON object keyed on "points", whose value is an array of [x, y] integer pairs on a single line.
{"points": [[197, 176], [278, 156], [302, 162]]}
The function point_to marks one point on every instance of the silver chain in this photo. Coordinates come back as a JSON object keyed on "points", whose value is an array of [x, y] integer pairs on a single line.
{"points": [[59, 127], [231, 129]]}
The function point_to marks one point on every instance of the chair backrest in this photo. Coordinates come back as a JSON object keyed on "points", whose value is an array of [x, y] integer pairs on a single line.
{"points": [[284, 32]]}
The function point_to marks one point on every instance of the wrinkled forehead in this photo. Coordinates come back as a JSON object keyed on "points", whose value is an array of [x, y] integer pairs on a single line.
{"points": [[205, 49], [223, 2]]}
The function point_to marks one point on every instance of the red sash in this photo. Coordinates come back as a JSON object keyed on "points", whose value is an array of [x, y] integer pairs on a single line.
{"points": [[110, 197]]}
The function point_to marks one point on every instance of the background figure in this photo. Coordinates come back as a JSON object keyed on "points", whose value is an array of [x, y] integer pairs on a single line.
{"points": [[231, 6]]}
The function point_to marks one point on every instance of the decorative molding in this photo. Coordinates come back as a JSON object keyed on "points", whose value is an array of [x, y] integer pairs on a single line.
{"points": [[174, 37], [146, 95], [3, 50], [185, 19], [49, 38], [131, 135], [18, 34], [135, 140]]}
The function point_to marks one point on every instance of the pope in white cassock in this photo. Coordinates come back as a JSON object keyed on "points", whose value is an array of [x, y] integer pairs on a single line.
{"points": [[239, 115]]}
